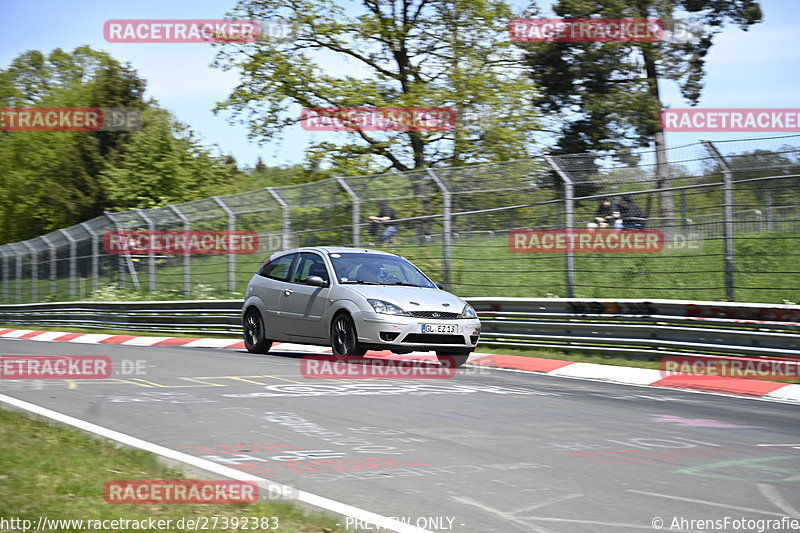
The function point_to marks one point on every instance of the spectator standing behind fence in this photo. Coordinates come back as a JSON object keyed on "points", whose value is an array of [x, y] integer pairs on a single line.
{"points": [[631, 214], [386, 216], [604, 215]]}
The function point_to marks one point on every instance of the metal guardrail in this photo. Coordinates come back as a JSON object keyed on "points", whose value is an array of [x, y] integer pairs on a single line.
{"points": [[622, 326]]}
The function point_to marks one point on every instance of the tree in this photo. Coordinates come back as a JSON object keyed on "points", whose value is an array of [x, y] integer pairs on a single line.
{"points": [[51, 179], [608, 93], [400, 53], [165, 164]]}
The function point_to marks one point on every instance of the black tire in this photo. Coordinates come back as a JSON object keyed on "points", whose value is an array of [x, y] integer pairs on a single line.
{"points": [[344, 338], [253, 326], [453, 358]]}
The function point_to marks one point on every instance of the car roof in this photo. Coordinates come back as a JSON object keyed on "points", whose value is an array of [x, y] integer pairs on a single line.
{"points": [[335, 249]]}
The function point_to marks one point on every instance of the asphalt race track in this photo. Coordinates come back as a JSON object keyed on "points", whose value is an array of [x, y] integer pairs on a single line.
{"points": [[488, 450]]}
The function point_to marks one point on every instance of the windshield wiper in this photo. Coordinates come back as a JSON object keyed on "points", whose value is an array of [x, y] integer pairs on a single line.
{"points": [[404, 283], [362, 282]]}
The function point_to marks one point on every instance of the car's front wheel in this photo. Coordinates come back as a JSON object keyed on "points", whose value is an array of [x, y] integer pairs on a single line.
{"points": [[453, 358], [344, 339], [254, 339]]}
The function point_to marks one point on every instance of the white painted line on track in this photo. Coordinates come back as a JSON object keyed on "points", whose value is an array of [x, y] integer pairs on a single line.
{"points": [[210, 343], [17, 333], [144, 341], [91, 338], [790, 393], [272, 487], [636, 376], [49, 335]]}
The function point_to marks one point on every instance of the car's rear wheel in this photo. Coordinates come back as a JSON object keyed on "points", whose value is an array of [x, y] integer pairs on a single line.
{"points": [[254, 339], [344, 338], [453, 358]]}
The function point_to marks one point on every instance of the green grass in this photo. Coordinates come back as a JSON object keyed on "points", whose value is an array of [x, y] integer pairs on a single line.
{"points": [[484, 266], [57, 472]]}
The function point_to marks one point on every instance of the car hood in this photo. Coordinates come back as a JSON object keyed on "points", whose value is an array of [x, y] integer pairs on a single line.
{"points": [[428, 299]]}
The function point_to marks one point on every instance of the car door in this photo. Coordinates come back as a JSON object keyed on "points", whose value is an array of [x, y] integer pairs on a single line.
{"points": [[269, 285], [303, 306]]}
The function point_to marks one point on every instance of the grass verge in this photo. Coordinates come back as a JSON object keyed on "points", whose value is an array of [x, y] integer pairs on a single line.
{"points": [[58, 472]]}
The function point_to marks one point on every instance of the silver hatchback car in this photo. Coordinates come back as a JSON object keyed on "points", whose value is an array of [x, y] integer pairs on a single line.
{"points": [[355, 300]]}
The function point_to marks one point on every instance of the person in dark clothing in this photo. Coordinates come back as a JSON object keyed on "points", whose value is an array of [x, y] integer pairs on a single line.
{"points": [[386, 216], [631, 214], [604, 215]]}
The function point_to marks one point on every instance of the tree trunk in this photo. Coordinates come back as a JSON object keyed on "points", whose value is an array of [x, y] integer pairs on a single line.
{"points": [[663, 182]]}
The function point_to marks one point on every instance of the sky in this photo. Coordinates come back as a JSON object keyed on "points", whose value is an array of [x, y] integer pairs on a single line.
{"points": [[753, 69]]}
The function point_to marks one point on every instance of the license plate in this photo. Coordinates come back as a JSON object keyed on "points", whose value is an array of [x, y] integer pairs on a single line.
{"points": [[438, 328]]}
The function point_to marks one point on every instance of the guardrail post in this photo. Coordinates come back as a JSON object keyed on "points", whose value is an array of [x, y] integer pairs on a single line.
{"points": [[727, 226], [569, 221], [231, 257], [151, 254], [187, 258], [447, 223], [95, 255], [5, 273], [287, 217], [356, 210], [34, 271], [52, 249], [73, 262]]}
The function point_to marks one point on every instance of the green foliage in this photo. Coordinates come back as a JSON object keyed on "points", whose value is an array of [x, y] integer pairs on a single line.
{"points": [[414, 53], [51, 179], [614, 86], [164, 164]]}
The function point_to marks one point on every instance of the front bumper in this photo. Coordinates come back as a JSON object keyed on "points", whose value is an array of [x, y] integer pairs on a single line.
{"points": [[379, 329]]}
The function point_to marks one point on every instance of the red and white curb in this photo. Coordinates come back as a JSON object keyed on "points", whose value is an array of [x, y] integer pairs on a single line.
{"points": [[751, 388]]}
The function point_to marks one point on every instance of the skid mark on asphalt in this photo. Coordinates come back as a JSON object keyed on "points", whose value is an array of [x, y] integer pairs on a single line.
{"points": [[526, 522], [177, 382], [775, 497], [706, 502]]}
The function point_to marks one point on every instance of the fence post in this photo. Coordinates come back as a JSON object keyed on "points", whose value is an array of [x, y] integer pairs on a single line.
{"points": [[34, 271], [768, 202], [187, 258], [6, 275], [356, 210], [287, 217], [447, 223], [52, 248], [95, 255], [120, 257], [73, 264], [18, 283], [727, 226], [231, 257], [151, 254], [569, 221]]}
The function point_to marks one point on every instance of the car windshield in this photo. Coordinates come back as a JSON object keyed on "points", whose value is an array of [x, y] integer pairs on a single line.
{"points": [[377, 269]]}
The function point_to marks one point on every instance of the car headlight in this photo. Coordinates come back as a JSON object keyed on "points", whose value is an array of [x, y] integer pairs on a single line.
{"points": [[386, 308], [468, 312]]}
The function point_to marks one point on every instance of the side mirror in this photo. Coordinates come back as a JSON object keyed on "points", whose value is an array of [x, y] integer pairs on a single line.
{"points": [[439, 285], [316, 281]]}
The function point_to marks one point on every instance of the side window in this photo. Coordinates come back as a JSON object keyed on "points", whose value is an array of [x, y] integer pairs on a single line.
{"points": [[310, 265], [279, 268]]}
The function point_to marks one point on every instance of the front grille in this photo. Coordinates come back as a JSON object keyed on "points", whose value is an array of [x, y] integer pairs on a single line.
{"points": [[439, 315], [433, 338]]}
